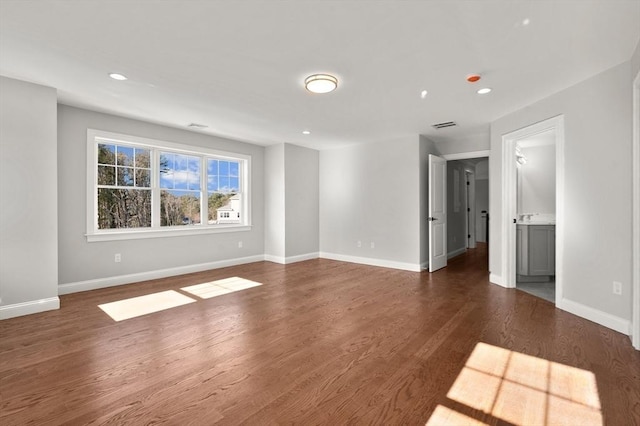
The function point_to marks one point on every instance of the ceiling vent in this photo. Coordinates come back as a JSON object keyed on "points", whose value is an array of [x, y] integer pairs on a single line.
{"points": [[443, 125], [198, 126]]}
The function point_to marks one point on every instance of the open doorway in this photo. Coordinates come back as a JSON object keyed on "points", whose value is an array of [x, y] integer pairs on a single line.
{"points": [[467, 201], [548, 256], [536, 215]]}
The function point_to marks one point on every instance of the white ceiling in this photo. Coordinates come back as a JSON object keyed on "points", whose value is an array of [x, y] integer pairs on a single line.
{"points": [[238, 66]]}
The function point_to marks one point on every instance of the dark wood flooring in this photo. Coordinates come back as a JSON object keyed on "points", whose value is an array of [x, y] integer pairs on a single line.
{"points": [[320, 342]]}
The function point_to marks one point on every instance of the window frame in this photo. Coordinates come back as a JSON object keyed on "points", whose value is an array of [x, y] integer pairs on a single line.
{"points": [[93, 233]]}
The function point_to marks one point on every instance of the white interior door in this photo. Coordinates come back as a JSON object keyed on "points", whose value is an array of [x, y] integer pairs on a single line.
{"points": [[437, 213]]}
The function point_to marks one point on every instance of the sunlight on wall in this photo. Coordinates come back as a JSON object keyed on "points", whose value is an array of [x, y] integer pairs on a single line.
{"points": [[143, 305], [219, 287], [525, 390]]}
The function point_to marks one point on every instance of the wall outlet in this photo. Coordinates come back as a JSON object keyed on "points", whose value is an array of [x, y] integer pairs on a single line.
{"points": [[617, 287], [373, 245], [239, 244], [117, 258], [359, 244]]}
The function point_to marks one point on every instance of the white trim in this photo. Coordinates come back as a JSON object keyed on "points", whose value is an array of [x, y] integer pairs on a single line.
{"points": [[496, 279], [291, 259], [456, 252], [508, 238], [115, 235], [28, 308], [613, 322], [466, 155], [373, 262], [635, 268], [75, 287]]}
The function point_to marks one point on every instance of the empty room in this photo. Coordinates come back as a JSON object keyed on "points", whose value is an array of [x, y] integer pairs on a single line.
{"points": [[320, 212]]}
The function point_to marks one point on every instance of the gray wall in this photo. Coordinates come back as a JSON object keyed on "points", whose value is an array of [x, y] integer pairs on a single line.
{"points": [[456, 220], [537, 193], [274, 202], [302, 201], [82, 261], [597, 186], [28, 195], [371, 193]]}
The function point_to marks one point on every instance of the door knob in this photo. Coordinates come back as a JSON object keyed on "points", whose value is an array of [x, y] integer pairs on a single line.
{"points": [[431, 219]]}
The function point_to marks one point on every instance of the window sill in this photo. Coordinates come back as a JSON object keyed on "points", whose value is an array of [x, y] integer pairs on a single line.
{"points": [[163, 233]]}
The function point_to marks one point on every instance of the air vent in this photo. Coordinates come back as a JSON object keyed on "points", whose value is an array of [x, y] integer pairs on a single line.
{"points": [[445, 124], [198, 126]]}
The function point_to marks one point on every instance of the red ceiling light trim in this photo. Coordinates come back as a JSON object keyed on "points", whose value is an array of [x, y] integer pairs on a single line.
{"points": [[473, 78]]}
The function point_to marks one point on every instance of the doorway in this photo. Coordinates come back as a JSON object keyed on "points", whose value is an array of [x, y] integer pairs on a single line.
{"points": [[467, 201], [552, 128]]}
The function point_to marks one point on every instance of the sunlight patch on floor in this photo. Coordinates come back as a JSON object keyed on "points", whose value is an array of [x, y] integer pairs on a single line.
{"points": [[526, 390], [143, 305], [220, 287], [445, 416]]}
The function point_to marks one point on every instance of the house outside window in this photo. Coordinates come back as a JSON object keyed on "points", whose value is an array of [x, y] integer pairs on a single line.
{"points": [[142, 188]]}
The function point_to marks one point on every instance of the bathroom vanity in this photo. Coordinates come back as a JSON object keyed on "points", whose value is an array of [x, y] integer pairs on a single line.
{"points": [[536, 251]]}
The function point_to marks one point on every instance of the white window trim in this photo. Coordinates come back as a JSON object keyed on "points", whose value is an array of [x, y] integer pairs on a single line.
{"points": [[94, 234]]}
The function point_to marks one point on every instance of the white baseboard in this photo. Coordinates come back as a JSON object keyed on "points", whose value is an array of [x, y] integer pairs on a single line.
{"points": [[613, 322], [291, 259], [496, 279], [28, 308], [456, 252], [152, 275], [373, 262]]}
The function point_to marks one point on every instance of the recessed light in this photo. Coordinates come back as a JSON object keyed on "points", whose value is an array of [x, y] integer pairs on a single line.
{"points": [[321, 83], [423, 94], [306, 132], [526, 21], [116, 76], [484, 91]]}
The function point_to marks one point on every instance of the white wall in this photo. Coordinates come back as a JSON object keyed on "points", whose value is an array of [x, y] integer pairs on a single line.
{"points": [[301, 202], [371, 193], [597, 202], [28, 199], [537, 193], [274, 203], [84, 265]]}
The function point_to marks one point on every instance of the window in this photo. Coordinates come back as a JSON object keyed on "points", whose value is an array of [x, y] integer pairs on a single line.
{"points": [[140, 188]]}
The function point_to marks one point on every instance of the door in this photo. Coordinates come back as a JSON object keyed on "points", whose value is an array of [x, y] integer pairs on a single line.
{"points": [[437, 213]]}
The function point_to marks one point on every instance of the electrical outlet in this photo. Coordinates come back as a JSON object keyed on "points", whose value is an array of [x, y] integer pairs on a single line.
{"points": [[117, 258], [617, 287], [373, 245], [359, 244], [239, 244]]}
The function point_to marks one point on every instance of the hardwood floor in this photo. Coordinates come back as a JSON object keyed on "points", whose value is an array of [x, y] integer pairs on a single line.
{"points": [[320, 342]]}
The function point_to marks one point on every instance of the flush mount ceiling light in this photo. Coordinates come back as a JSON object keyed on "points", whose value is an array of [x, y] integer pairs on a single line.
{"points": [[116, 76], [423, 94], [484, 91], [321, 83], [306, 132]]}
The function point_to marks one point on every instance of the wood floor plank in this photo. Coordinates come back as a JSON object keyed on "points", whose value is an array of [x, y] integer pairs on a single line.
{"points": [[319, 342]]}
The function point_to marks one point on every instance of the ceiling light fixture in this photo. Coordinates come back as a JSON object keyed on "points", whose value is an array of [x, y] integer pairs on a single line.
{"points": [[321, 83], [423, 94], [116, 76], [306, 132], [484, 91]]}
